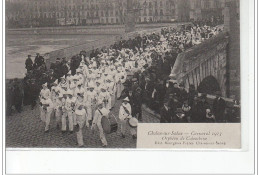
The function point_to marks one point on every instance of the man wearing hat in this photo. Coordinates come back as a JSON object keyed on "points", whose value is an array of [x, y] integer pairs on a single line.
{"points": [[90, 101], [73, 84], [38, 61], [69, 111], [111, 90], [105, 97], [183, 95], [45, 92], [32, 93], [54, 88], [79, 89], [98, 87], [63, 83], [219, 107], [165, 113], [47, 108], [57, 105], [124, 115], [198, 110], [99, 113], [29, 63], [80, 112]]}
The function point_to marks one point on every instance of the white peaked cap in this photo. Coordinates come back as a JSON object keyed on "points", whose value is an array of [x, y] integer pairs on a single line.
{"points": [[80, 82], [60, 95], [126, 99], [63, 77], [56, 81], [98, 81], [69, 92], [99, 102], [75, 77], [91, 85], [69, 73], [104, 87], [45, 84]]}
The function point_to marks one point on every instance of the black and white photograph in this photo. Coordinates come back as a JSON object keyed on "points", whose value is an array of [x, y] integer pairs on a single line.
{"points": [[91, 73]]}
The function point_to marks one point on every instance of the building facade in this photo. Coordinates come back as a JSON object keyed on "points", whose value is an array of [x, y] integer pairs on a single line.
{"points": [[205, 9], [38, 13]]}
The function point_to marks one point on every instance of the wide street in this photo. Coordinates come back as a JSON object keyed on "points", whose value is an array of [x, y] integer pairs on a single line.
{"points": [[25, 129]]}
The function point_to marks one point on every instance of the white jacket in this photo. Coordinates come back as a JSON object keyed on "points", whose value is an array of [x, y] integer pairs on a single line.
{"points": [[122, 112]]}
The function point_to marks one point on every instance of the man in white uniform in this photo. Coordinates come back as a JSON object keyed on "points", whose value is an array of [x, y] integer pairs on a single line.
{"points": [[80, 119], [124, 116], [90, 101], [44, 94], [47, 106], [100, 112]]}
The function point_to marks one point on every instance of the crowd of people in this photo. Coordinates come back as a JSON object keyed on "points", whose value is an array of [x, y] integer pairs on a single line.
{"points": [[84, 89]]}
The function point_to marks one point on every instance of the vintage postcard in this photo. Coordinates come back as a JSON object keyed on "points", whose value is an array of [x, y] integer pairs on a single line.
{"points": [[139, 74]]}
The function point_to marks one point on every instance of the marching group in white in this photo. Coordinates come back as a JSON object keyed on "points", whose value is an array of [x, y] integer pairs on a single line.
{"points": [[84, 98]]}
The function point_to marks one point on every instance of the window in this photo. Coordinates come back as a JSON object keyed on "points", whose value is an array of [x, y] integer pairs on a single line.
{"points": [[206, 4], [112, 20], [217, 4], [198, 3], [145, 14], [161, 12], [150, 12]]}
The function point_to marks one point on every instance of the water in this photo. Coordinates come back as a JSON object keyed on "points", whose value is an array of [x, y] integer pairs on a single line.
{"points": [[19, 46]]}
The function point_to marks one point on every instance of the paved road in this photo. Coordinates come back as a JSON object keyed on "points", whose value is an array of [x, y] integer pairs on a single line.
{"points": [[27, 130]]}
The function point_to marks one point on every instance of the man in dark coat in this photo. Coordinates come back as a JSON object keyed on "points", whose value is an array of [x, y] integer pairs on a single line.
{"points": [[148, 90], [34, 93], [219, 106], [198, 110], [29, 63], [191, 95], [183, 95], [9, 97], [38, 61], [166, 116], [18, 95], [137, 104]]}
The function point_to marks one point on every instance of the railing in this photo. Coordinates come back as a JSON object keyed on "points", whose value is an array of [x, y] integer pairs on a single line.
{"points": [[183, 58]]}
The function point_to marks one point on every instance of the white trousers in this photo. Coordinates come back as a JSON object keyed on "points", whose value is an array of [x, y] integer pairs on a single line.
{"points": [[66, 114], [42, 114], [101, 134], [113, 99], [58, 114], [80, 119], [90, 112], [47, 116]]}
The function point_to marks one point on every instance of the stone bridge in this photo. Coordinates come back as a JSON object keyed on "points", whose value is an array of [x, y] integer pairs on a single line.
{"points": [[214, 65], [204, 66]]}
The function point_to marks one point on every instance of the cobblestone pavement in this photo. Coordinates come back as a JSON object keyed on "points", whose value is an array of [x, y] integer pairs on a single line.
{"points": [[27, 130]]}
